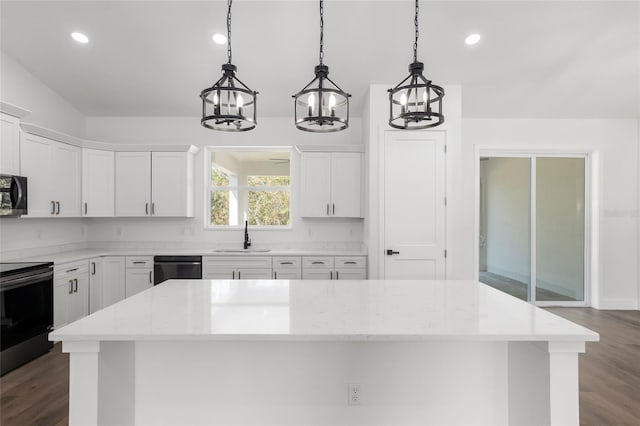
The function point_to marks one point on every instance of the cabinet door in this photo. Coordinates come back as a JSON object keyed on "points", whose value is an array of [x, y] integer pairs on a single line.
{"points": [[253, 274], [96, 284], [113, 288], [317, 274], [287, 274], [66, 168], [350, 274], [345, 184], [98, 183], [222, 274], [133, 184], [62, 290], [35, 161], [315, 184], [80, 297], [9, 145], [172, 184], [138, 280]]}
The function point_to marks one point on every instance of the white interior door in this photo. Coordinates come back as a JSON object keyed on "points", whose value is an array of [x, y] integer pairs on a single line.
{"points": [[414, 205]]}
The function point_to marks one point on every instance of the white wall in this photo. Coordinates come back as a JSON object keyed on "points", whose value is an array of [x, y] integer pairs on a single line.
{"points": [[506, 183], [614, 147], [21, 88], [187, 130]]}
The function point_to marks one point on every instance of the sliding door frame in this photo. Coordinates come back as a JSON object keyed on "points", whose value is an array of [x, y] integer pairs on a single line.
{"points": [[532, 154]]}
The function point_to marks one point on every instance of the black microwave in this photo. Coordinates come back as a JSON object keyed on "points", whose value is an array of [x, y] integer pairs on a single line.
{"points": [[13, 190]]}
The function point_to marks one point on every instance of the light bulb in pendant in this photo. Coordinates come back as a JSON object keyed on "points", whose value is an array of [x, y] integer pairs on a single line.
{"points": [[332, 105], [239, 104], [311, 102], [403, 103], [424, 100]]}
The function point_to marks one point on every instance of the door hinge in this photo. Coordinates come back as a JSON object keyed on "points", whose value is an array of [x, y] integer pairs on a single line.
{"points": [[445, 254]]}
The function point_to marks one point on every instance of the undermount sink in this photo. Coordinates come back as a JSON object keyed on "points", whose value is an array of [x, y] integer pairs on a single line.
{"points": [[242, 251]]}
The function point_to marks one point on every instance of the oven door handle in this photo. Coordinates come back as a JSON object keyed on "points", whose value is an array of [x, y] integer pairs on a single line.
{"points": [[24, 281]]}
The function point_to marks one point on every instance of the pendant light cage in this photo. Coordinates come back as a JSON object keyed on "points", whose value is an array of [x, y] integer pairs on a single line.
{"points": [[416, 103], [321, 106], [229, 105]]}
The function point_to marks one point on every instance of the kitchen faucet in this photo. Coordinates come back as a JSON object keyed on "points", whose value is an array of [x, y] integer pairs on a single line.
{"points": [[247, 240]]}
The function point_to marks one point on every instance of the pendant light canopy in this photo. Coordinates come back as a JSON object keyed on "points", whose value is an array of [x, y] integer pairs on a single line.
{"points": [[229, 104], [322, 106], [415, 103]]}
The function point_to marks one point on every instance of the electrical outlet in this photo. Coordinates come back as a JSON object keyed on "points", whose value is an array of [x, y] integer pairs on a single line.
{"points": [[355, 394]]}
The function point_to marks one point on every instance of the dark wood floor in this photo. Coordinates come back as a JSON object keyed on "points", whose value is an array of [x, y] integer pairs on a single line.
{"points": [[37, 393]]}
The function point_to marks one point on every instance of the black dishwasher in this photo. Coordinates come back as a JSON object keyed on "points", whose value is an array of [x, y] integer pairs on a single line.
{"points": [[176, 267]]}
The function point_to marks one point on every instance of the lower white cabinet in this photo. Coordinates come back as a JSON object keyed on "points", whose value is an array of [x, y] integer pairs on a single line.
{"points": [[334, 268], [139, 274], [287, 268], [106, 281], [236, 267], [70, 292]]}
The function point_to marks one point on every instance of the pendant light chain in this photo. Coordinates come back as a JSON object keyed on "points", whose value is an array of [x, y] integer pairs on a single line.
{"points": [[229, 30], [321, 31], [415, 44]]}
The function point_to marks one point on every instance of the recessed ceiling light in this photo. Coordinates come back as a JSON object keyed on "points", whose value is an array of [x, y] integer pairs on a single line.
{"points": [[219, 38], [80, 38], [472, 39]]}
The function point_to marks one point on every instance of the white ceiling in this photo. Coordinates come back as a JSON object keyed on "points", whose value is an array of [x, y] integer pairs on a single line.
{"points": [[536, 59]]}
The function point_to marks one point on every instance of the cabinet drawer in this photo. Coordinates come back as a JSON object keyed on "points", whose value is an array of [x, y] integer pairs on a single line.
{"points": [[322, 262], [76, 268], [139, 261], [215, 263], [344, 262], [287, 262]]}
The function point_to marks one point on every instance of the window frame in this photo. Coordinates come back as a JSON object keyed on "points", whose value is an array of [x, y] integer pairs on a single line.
{"points": [[208, 187]]}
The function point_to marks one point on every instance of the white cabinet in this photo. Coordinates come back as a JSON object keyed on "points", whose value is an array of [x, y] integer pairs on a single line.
{"points": [[236, 267], [53, 170], [287, 268], [9, 144], [139, 274], [331, 184], [334, 268], [106, 281], [71, 292], [98, 183], [155, 184], [133, 183]]}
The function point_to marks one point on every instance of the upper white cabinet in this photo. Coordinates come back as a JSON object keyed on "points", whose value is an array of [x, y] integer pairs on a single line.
{"points": [[331, 184], [10, 116], [98, 183], [133, 183], [9, 144], [53, 170], [155, 184]]}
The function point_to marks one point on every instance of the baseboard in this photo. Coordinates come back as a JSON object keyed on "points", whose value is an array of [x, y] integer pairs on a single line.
{"points": [[618, 304]]}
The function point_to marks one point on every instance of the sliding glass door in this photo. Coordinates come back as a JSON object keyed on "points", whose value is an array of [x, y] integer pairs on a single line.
{"points": [[533, 227]]}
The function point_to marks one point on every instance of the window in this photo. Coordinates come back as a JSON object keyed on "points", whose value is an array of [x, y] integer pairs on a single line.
{"points": [[249, 185]]}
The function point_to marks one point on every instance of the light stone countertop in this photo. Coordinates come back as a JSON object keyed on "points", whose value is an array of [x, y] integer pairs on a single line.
{"points": [[265, 310], [76, 255]]}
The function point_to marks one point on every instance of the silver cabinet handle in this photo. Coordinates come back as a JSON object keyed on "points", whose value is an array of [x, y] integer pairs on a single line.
{"points": [[70, 286], [238, 274], [85, 208], [350, 263], [233, 275], [53, 207], [275, 275], [317, 262], [75, 281], [337, 275], [330, 275], [93, 268], [286, 263], [327, 209], [146, 208], [58, 206], [151, 277], [139, 262], [153, 208], [334, 209], [71, 270]]}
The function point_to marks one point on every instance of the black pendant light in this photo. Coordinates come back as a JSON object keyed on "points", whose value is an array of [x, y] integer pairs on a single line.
{"points": [[415, 103], [321, 106], [229, 104]]}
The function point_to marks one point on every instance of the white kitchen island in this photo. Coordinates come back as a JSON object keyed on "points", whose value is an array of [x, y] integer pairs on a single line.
{"points": [[200, 352]]}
